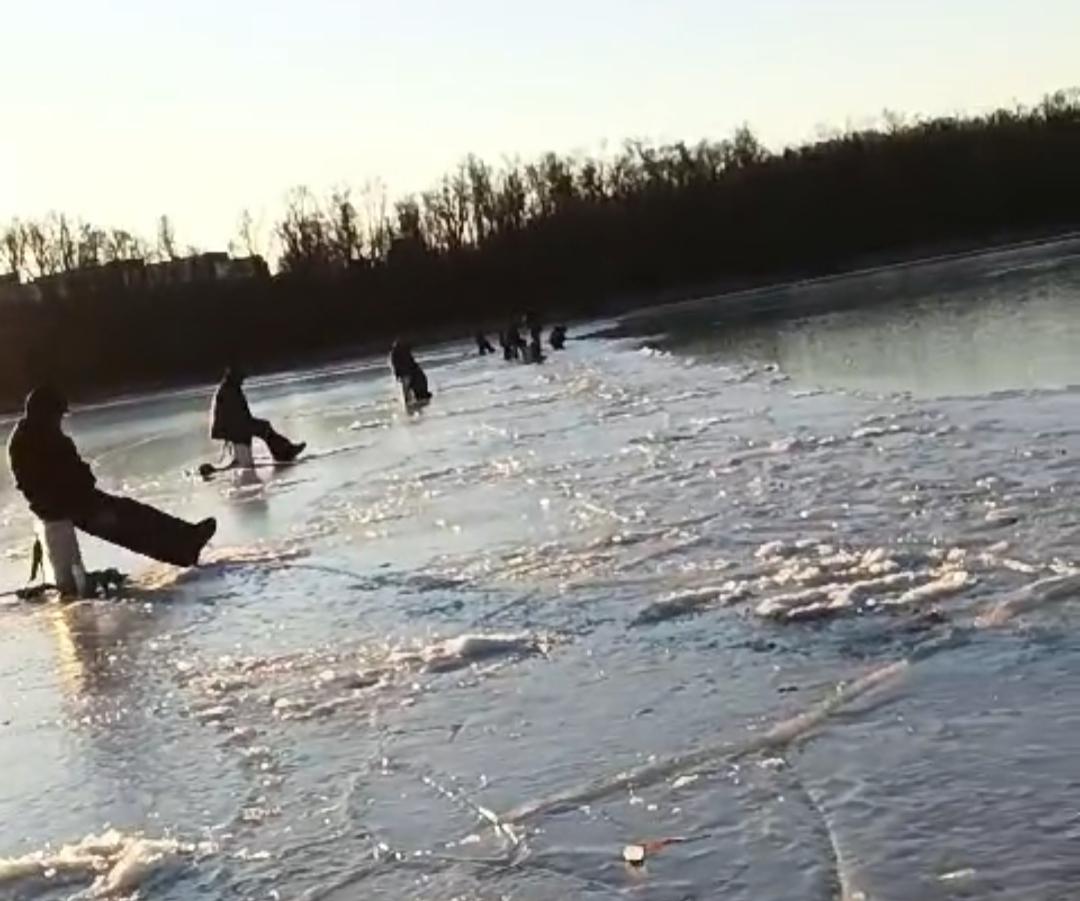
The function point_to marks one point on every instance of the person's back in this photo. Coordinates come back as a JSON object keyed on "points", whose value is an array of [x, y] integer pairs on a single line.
{"points": [[407, 371], [230, 415], [401, 360]]}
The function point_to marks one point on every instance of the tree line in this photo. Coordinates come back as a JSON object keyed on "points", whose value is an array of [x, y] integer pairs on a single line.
{"points": [[565, 234], [59, 243]]}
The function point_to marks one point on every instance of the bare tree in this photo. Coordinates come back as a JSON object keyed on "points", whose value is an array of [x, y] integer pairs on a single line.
{"points": [[65, 243], [14, 244], [250, 234], [42, 249], [346, 243], [120, 245], [380, 230], [303, 234], [90, 250], [166, 239]]}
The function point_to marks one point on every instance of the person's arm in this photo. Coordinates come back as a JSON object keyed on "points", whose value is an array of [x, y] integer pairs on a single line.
{"points": [[49, 472], [72, 471]]}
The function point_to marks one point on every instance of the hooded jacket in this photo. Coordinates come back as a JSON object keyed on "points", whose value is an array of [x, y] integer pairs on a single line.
{"points": [[54, 479], [230, 415]]}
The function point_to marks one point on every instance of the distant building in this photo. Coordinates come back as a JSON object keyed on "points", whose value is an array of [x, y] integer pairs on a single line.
{"points": [[248, 267], [122, 276], [108, 278], [205, 267]]}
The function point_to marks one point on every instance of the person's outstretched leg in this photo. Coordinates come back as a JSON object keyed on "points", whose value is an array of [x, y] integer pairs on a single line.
{"points": [[281, 448], [145, 529], [418, 384]]}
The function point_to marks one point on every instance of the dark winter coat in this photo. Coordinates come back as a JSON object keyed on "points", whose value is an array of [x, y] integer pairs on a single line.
{"points": [[230, 416], [54, 479]]}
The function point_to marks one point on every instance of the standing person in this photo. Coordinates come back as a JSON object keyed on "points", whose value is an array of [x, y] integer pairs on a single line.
{"points": [[536, 351], [532, 325], [507, 348], [60, 486], [231, 420], [414, 383], [512, 343]]}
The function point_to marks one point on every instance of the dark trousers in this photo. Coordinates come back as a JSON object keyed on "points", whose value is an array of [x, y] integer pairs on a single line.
{"points": [[140, 528], [414, 385], [280, 447]]}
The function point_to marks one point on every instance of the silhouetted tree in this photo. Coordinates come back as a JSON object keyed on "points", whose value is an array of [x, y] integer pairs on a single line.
{"points": [[573, 230], [166, 239]]}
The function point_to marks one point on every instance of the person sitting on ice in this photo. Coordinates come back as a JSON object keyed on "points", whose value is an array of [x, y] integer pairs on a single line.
{"points": [[414, 383], [557, 338], [231, 421], [60, 486]]}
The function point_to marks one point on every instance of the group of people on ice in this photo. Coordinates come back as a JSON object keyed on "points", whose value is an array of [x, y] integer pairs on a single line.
{"points": [[62, 491], [515, 347], [61, 488]]}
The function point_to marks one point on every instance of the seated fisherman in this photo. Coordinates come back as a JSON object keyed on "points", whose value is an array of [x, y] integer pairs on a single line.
{"points": [[231, 420], [558, 337], [414, 383], [60, 486], [533, 326], [483, 346]]}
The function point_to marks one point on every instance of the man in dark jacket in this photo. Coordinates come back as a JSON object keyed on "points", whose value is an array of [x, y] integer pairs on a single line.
{"points": [[59, 485], [231, 420], [414, 383]]}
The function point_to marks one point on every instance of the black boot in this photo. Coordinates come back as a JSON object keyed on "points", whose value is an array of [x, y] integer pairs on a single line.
{"points": [[282, 449]]}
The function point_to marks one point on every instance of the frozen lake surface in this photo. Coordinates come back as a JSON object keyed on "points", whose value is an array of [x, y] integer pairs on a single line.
{"points": [[798, 594]]}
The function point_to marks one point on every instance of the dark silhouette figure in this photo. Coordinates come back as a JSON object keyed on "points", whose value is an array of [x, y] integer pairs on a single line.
{"points": [[59, 485], [483, 346], [535, 352], [557, 338], [231, 420], [414, 383], [513, 344]]}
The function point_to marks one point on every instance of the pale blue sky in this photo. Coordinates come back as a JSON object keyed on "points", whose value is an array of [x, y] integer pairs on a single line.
{"points": [[124, 109]]}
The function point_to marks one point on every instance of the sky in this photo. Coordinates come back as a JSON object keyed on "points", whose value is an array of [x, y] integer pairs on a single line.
{"points": [[123, 110]]}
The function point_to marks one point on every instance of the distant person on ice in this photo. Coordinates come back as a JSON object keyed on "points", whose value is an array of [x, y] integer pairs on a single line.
{"points": [[60, 486], [414, 384], [483, 346], [557, 338], [533, 326], [231, 420], [512, 343]]}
